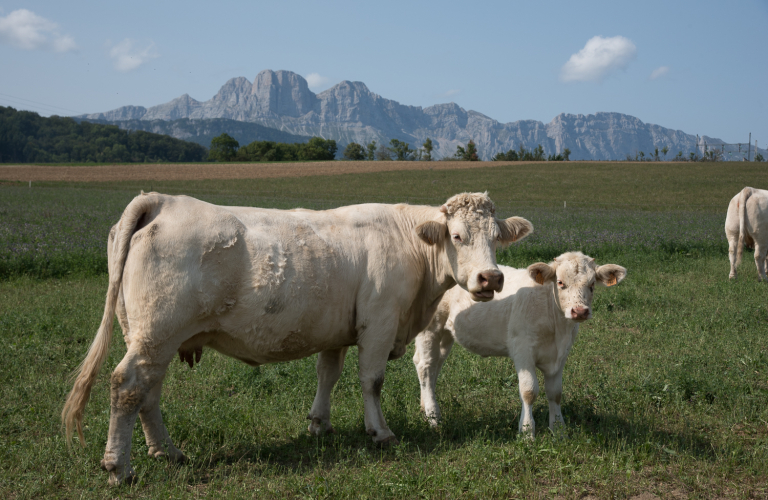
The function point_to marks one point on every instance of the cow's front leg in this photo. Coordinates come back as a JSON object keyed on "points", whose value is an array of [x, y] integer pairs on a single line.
{"points": [[374, 350], [528, 385], [157, 437], [131, 381], [329, 366], [432, 348], [553, 383]]}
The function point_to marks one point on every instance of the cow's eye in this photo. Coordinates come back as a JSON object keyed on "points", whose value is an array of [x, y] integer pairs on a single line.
{"points": [[560, 284], [456, 237], [592, 288]]}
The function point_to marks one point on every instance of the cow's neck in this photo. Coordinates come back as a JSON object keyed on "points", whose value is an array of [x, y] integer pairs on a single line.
{"points": [[565, 329]]}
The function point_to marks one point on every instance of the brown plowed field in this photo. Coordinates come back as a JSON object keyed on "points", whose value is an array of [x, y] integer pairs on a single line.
{"points": [[191, 171]]}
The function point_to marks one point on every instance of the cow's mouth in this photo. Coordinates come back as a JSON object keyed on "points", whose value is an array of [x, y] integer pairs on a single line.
{"points": [[483, 295]]}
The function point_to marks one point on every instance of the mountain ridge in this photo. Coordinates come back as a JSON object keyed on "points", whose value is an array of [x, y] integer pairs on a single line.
{"points": [[350, 112]]}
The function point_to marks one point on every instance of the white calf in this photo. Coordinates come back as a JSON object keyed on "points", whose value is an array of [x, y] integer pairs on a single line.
{"points": [[534, 321]]}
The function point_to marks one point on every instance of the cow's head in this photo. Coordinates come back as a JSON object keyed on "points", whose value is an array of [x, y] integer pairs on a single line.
{"points": [[468, 234], [574, 276]]}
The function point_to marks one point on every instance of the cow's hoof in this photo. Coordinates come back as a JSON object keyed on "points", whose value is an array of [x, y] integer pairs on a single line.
{"points": [[172, 454], [127, 477], [318, 428], [388, 442]]}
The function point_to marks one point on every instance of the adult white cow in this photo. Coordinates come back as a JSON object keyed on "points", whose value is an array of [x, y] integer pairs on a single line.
{"points": [[534, 321], [270, 285], [747, 224]]}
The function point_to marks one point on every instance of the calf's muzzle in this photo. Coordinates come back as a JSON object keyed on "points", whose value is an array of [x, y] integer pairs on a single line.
{"points": [[490, 281], [580, 313]]}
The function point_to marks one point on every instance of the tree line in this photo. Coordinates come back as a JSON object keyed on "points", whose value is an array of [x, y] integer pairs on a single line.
{"points": [[226, 148], [27, 137], [401, 151]]}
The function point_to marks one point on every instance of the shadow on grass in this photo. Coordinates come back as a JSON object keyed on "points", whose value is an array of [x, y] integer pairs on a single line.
{"points": [[350, 446]]}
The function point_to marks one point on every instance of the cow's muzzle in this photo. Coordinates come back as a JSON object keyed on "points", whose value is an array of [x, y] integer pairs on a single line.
{"points": [[489, 282], [580, 313]]}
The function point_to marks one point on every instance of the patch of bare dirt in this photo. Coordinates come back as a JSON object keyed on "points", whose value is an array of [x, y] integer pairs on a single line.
{"points": [[192, 171]]}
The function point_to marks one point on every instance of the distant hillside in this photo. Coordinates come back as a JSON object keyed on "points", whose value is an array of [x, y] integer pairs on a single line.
{"points": [[26, 137], [350, 112], [202, 131]]}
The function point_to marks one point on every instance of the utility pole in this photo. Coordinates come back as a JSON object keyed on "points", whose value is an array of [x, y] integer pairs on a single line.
{"points": [[749, 146]]}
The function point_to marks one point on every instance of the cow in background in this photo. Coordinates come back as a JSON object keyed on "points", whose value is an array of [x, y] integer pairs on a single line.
{"points": [[534, 321], [746, 223], [266, 286]]}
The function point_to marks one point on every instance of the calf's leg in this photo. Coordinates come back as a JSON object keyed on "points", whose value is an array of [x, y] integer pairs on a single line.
{"points": [[553, 383], [329, 366], [528, 385], [432, 348], [732, 247]]}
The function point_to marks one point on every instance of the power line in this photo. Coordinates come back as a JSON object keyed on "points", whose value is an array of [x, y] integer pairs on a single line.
{"points": [[40, 103]]}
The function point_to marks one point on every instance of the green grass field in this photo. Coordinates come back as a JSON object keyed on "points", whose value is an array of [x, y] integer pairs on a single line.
{"points": [[665, 391]]}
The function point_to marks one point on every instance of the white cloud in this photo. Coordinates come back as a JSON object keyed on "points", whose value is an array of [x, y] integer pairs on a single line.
{"points": [[599, 57], [659, 72], [128, 55], [450, 93], [314, 80], [26, 30]]}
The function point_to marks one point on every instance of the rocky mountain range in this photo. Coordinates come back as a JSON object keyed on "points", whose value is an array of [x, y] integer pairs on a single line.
{"points": [[350, 112]]}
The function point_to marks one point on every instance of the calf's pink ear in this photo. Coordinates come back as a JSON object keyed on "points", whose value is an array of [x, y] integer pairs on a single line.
{"points": [[541, 272], [610, 274], [513, 229], [432, 232]]}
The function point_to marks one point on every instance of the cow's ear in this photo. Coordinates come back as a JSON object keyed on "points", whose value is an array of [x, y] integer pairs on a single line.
{"points": [[541, 272], [513, 229], [432, 232], [610, 274]]}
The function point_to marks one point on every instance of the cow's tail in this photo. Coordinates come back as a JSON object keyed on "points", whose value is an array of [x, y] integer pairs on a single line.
{"points": [[743, 197], [86, 373]]}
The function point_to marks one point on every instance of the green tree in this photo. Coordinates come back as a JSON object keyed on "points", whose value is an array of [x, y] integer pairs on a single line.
{"points": [[664, 151], [759, 157], [371, 150], [538, 153], [567, 154], [354, 151], [401, 150], [428, 147], [656, 154], [510, 155], [223, 148], [383, 153], [467, 154]]}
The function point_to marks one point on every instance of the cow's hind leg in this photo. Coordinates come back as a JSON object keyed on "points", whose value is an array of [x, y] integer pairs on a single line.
{"points": [[760, 255], [329, 366], [432, 348], [132, 381], [732, 247], [158, 440]]}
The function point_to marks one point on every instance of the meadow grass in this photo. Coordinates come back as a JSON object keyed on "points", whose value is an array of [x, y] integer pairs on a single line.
{"points": [[665, 390]]}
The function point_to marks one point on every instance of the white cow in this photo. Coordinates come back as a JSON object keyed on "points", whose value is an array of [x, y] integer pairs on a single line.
{"points": [[265, 286], [747, 224], [534, 321]]}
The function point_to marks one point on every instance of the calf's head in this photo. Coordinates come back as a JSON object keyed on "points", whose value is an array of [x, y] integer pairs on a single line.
{"points": [[468, 234], [573, 276]]}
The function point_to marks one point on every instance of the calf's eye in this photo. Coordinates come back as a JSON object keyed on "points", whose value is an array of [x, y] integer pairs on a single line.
{"points": [[456, 237], [560, 284]]}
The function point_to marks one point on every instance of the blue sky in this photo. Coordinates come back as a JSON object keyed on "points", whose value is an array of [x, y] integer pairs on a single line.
{"points": [[697, 66]]}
